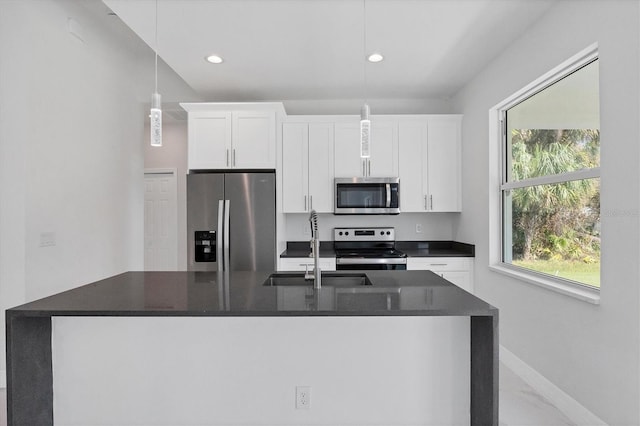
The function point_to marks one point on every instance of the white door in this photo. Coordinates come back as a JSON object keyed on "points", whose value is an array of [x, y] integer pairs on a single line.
{"points": [[160, 221]]}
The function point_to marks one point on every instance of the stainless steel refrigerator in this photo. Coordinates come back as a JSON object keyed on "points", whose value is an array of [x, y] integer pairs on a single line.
{"points": [[231, 221]]}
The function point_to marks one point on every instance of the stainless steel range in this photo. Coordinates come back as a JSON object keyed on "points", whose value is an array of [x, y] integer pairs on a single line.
{"points": [[367, 248]]}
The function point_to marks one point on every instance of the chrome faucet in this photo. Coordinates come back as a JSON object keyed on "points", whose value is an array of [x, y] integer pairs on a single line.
{"points": [[315, 251]]}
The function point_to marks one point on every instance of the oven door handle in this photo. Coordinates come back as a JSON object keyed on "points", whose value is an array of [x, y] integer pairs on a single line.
{"points": [[388, 195], [370, 261]]}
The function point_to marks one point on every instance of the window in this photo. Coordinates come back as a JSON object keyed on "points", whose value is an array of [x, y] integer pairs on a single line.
{"points": [[550, 189]]}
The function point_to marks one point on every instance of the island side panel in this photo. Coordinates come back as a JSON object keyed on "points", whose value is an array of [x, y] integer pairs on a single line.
{"points": [[29, 371], [484, 370]]}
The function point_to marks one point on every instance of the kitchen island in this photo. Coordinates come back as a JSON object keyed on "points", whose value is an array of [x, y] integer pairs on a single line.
{"points": [[32, 372]]}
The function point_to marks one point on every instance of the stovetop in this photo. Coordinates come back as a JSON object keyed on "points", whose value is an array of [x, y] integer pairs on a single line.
{"points": [[366, 243]]}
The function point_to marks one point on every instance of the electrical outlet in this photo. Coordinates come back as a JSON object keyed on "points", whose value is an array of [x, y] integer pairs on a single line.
{"points": [[47, 239], [303, 397], [418, 228]]}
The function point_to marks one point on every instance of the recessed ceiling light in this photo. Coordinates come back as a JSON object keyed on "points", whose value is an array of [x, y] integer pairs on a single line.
{"points": [[375, 57], [214, 59]]}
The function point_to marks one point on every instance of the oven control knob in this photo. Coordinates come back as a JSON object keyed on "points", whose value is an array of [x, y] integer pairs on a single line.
{"points": [[346, 233], [381, 232], [340, 233], [388, 232]]}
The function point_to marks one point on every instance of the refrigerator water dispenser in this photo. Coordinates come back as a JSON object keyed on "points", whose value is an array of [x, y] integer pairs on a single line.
{"points": [[205, 246]]}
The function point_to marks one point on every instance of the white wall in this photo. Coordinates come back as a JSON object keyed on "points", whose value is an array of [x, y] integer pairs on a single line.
{"points": [[71, 160], [172, 154], [591, 352]]}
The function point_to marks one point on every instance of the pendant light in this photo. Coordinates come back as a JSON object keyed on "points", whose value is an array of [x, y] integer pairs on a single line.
{"points": [[155, 117], [365, 122]]}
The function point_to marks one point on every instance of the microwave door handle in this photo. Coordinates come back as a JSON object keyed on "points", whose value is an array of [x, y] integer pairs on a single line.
{"points": [[388, 195]]}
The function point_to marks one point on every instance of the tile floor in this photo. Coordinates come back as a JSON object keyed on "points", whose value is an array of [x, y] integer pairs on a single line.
{"points": [[520, 405]]}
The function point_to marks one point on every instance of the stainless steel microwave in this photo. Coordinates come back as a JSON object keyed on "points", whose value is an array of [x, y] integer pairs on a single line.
{"points": [[366, 195]]}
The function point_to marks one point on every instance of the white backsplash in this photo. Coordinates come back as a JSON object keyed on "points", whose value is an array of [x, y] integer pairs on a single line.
{"points": [[435, 226]]}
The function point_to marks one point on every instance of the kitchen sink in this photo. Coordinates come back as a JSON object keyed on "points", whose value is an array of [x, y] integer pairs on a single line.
{"points": [[339, 279]]}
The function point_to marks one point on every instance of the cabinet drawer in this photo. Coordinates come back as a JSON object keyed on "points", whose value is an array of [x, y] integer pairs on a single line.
{"points": [[301, 263], [439, 263]]}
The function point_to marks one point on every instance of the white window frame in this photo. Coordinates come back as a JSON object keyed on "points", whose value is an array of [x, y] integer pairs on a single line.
{"points": [[496, 170]]}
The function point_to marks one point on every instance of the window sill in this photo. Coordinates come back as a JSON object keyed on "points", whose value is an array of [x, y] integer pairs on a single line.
{"points": [[585, 294]]}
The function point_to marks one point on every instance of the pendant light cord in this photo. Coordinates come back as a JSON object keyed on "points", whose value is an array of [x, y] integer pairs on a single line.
{"points": [[156, 48], [364, 47]]}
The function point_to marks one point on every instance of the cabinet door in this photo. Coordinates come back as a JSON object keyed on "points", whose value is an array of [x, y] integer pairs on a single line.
{"points": [[443, 166], [384, 149], [209, 140], [347, 161], [254, 140], [460, 278], [321, 167], [295, 138], [304, 263], [412, 140]]}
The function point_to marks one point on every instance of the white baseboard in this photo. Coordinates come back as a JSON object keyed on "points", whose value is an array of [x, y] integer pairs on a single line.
{"points": [[3, 378], [571, 408]]}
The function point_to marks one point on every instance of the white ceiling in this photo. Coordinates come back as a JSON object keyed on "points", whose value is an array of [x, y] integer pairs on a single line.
{"points": [[313, 49]]}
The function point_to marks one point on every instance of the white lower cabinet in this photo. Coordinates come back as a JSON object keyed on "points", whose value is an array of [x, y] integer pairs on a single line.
{"points": [[302, 263], [458, 270]]}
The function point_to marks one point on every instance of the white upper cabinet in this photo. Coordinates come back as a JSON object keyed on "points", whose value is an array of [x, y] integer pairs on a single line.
{"points": [[321, 167], [412, 135], [254, 140], [384, 149], [430, 163], [307, 167], [209, 139], [232, 138], [443, 164], [295, 167], [347, 161]]}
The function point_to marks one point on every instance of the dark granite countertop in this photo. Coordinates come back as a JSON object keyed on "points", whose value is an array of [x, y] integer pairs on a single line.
{"points": [[411, 248], [405, 293], [436, 248]]}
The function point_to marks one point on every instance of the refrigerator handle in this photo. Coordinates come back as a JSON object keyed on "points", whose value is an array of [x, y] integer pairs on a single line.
{"points": [[219, 236], [226, 235]]}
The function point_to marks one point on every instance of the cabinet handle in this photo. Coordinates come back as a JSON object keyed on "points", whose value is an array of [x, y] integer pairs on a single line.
{"points": [[234, 157], [305, 203], [227, 158], [310, 202], [438, 264], [364, 167], [369, 166], [431, 201], [425, 202]]}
